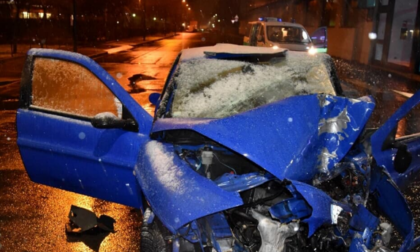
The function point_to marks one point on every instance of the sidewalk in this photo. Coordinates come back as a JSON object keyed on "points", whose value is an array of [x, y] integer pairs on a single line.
{"points": [[90, 51]]}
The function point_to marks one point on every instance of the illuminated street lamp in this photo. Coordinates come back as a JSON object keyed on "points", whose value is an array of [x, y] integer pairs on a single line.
{"points": [[134, 14], [154, 19], [189, 8]]}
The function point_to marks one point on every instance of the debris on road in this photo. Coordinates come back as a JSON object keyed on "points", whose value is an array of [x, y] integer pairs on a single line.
{"points": [[81, 220]]}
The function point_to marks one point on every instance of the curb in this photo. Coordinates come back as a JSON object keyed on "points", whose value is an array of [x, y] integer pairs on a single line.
{"points": [[97, 55], [154, 40], [12, 58], [9, 104]]}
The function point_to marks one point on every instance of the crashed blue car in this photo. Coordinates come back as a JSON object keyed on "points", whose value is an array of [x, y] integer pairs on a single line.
{"points": [[250, 149]]}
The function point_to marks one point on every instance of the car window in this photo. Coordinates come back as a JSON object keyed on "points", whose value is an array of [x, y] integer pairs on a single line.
{"points": [[262, 34], [56, 87], [254, 29], [216, 88], [287, 34], [319, 36], [253, 34]]}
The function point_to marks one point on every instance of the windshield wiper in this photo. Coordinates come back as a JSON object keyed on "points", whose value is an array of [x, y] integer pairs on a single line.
{"points": [[247, 57]]}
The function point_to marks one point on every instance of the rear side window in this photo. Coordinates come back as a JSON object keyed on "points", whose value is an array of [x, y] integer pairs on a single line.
{"points": [[55, 87]]}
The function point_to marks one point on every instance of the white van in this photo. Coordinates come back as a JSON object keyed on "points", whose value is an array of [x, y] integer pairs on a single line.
{"points": [[270, 32]]}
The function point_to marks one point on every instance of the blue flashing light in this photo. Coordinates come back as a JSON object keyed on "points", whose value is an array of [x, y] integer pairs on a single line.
{"points": [[270, 19]]}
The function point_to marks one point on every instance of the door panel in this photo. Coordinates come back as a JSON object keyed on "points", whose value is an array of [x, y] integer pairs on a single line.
{"points": [[61, 93], [319, 39]]}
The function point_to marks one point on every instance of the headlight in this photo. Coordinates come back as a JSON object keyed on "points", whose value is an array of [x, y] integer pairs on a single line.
{"points": [[312, 50]]}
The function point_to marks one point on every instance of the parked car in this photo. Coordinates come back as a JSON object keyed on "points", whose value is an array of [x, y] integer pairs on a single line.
{"points": [[250, 149], [268, 32]]}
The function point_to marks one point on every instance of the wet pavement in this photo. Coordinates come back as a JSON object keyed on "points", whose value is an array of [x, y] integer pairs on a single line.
{"points": [[33, 217]]}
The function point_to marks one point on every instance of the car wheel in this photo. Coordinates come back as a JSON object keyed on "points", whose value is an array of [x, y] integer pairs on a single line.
{"points": [[152, 238]]}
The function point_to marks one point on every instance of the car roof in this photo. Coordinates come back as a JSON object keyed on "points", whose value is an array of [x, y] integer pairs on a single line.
{"points": [[200, 52], [278, 24]]}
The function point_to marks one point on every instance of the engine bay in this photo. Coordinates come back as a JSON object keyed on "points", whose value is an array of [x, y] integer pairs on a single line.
{"points": [[338, 211]]}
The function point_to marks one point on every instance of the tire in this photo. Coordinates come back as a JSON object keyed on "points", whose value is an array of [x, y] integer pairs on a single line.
{"points": [[152, 238]]}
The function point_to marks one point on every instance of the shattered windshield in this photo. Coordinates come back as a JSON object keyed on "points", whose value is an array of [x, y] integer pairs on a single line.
{"points": [[217, 88], [287, 34]]}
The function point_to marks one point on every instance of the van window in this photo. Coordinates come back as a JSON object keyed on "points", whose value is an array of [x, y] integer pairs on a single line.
{"points": [[287, 34]]}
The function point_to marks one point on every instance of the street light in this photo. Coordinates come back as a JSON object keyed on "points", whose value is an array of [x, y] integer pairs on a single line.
{"points": [[134, 14]]}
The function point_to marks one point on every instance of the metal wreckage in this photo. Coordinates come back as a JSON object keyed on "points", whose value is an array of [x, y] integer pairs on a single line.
{"points": [[295, 173]]}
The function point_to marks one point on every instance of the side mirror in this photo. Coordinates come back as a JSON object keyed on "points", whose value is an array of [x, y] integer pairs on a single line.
{"points": [[389, 141], [108, 120], [154, 98], [403, 158]]}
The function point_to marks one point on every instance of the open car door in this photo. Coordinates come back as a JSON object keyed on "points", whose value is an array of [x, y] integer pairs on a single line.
{"points": [[320, 39], [398, 152], [78, 129]]}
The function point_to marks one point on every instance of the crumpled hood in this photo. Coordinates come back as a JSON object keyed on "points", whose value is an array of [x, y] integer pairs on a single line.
{"points": [[294, 138]]}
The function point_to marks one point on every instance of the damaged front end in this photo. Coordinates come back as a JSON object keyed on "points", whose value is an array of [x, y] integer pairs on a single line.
{"points": [[300, 184]]}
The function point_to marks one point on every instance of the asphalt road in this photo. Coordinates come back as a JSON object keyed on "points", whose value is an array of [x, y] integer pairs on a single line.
{"points": [[32, 216]]}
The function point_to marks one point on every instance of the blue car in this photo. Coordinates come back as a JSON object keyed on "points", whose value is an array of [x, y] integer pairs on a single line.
{"points": [[249, 149]]}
